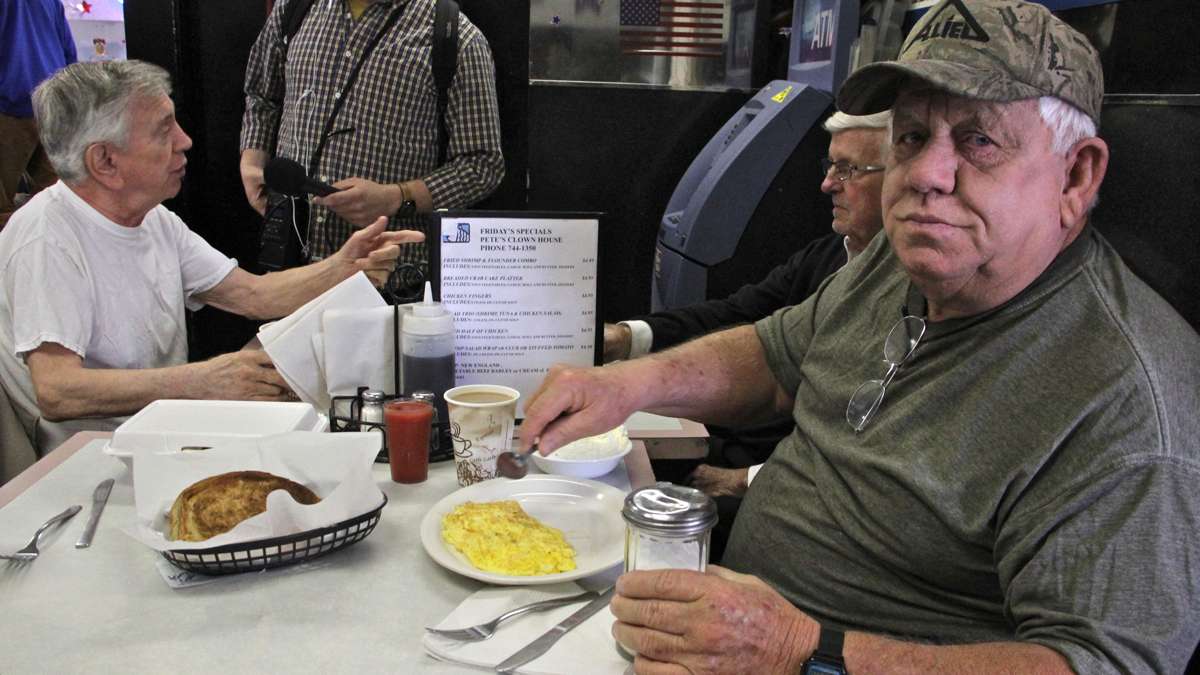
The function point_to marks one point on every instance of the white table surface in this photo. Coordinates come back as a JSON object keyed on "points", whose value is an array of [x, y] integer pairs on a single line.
{"points": [[106, 609]]}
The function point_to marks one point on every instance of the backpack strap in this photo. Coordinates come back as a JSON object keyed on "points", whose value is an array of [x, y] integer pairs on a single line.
{"points": [[444, 59], [293, 17]]}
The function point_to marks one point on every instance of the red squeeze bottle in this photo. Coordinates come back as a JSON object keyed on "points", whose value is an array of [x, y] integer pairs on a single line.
{"points": [[408, 425]]}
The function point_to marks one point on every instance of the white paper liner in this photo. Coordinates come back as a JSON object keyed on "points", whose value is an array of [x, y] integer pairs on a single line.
{"points": [[337, 467]]}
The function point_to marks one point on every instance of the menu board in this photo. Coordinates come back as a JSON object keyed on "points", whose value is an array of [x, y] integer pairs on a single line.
{"points": [[523, 291]]}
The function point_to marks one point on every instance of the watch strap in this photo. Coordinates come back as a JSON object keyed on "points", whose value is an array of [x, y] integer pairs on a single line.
{"points": [[830, 643], [408, 206], [827, 658]]}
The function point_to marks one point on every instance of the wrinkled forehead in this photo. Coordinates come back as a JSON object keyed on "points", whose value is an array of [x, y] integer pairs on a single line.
{"points": [[924, 106], [152, 108], [861, 144]]}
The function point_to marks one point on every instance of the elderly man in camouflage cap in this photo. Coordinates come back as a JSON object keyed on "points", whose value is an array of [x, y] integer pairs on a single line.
{"points": [[1013, 489]]}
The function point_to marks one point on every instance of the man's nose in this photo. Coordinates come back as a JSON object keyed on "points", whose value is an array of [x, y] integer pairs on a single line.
{"points": [[933, 169], [829, 184], [184, 142]]}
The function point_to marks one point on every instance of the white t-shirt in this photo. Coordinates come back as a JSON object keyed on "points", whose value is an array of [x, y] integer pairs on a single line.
{"points": [[114, 295]]}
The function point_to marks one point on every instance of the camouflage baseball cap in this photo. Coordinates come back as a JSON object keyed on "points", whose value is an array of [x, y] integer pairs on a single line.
{"points": [[991, 50]]}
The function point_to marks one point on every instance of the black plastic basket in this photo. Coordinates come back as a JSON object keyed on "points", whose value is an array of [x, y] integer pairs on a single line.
{"points": [[251, 556]]}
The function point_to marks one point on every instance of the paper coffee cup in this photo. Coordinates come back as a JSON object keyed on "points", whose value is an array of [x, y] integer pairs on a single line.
{"points": [[482, 417]]}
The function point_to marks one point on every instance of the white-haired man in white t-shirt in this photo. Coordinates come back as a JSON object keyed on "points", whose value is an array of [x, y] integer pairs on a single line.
{"points": [[96, 273]]}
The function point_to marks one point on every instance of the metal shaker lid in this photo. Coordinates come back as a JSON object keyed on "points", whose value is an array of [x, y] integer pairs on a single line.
{"points": [[424, 396], [373, 396], [670, 509]]}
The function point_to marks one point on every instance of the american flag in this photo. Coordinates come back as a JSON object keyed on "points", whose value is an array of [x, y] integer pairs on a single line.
{"points": [[692, 28]]}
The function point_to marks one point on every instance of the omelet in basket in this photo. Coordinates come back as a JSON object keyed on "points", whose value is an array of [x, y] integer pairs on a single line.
{"points": [[499, 537]]}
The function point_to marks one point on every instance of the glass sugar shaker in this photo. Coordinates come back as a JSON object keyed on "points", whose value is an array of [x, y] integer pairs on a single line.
{"points": [[430, 398], [372, 408], [668, 526]]}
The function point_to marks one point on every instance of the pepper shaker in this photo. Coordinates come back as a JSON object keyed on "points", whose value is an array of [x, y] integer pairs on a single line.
{"points": [[430, 398]]}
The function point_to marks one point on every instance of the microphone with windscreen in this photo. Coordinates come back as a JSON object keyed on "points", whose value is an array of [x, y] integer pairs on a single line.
{"points": [[287, 177]]}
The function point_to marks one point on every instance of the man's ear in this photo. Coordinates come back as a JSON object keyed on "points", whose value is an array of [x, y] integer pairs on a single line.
{"points": [[1087, 162], [101, 164]]}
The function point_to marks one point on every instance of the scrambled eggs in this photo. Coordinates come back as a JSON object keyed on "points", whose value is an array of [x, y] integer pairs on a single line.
{"points": [[500, 537]]}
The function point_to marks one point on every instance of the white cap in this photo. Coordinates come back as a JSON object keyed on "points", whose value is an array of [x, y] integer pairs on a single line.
{"points": [[428, 317]]}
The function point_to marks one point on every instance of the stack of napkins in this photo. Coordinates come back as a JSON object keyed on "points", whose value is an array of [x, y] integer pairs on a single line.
{"points": [[338, 341], [588, 649]]}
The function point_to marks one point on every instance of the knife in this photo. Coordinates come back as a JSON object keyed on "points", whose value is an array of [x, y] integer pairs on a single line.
{"points": [[99, 499], [543, 644]]}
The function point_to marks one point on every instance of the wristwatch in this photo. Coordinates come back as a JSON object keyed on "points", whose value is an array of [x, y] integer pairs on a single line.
{"points": [[827, 659], [408, 207]]}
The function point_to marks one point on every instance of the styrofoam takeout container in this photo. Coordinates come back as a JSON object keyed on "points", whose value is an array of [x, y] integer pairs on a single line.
{"points": [[170, 425]]}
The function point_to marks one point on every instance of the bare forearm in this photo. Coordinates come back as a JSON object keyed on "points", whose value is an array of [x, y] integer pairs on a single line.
{"points": [[103, 392], [277, 294], [870, 654], [67, 390], [720, 378]]}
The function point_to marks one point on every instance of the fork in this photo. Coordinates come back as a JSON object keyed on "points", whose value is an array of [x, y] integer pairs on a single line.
{"points": [[30, 551], [487, 629]]}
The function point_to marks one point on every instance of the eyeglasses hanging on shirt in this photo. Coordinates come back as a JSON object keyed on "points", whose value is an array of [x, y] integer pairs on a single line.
{"points": [[898, 347]]}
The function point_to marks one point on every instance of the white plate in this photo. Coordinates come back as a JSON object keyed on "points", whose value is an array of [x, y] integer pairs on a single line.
{"points": [[587, 512]]}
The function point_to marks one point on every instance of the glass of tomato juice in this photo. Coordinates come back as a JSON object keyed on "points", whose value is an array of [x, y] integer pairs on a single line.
{"points": [[408, 424]]}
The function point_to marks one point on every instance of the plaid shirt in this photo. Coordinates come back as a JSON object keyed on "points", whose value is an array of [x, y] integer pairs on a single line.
{"points": [[386, 130]]}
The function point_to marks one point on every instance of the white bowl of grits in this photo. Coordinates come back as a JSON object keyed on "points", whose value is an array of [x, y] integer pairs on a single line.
{"points": [[587, 457]]}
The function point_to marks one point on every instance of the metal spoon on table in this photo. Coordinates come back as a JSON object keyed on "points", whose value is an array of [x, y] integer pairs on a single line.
{"points": [[515, 464]]}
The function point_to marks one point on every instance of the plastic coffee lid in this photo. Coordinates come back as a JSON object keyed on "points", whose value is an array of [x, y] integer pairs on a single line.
{"points": [[428, 317], [670, 509]]}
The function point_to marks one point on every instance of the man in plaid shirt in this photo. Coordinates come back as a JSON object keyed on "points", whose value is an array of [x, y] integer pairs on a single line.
{"points": [[381, 150]]}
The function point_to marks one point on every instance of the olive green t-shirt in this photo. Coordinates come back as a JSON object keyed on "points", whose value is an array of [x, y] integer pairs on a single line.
{"points": [[1032, 474]]}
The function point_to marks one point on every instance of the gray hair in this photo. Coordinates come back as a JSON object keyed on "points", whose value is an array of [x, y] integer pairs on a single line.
{"points": [[87, 103], [1068, 124], [840, 121]]}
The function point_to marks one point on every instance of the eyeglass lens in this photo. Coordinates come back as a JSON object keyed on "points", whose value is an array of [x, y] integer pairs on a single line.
{"points": [[903, 339], [899, 345], [864, 403], [841, 170]]}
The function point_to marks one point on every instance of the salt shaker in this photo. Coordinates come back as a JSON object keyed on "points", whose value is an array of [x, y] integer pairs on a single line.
{"points": [[668, 526], [372, 408]]}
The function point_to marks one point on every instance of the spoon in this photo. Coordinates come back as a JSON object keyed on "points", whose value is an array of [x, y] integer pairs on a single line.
{"points": [[515, 464]]}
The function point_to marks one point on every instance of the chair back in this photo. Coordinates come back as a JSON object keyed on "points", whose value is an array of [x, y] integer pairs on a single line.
{"points": [[16, 440], [1150, 199]]}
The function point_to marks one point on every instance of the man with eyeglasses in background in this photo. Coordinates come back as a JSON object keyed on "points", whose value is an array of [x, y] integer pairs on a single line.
{"points": [[852, 177], [1013, 488]]}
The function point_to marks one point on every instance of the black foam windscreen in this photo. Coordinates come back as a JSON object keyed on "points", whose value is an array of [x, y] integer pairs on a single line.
{"points": [[285, 176]]}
